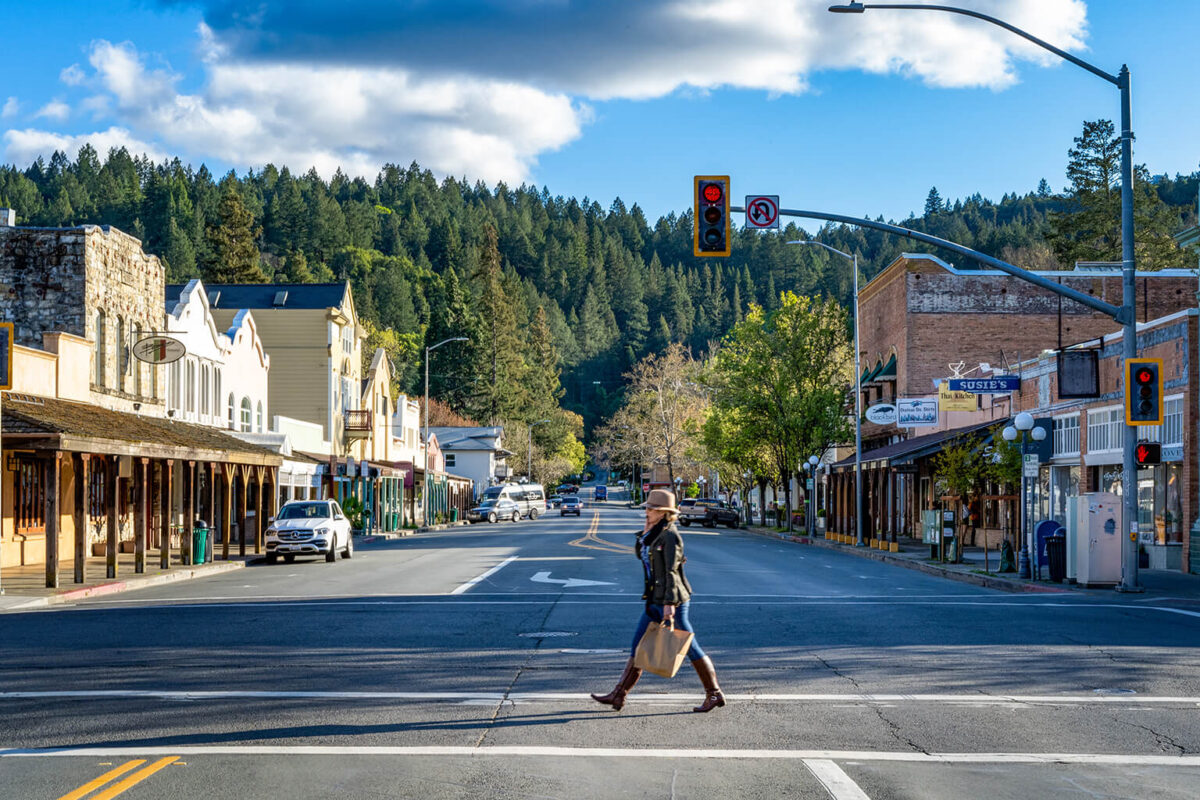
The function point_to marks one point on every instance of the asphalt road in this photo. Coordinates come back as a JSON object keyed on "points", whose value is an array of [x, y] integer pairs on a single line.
{"points": [[457, 664]]}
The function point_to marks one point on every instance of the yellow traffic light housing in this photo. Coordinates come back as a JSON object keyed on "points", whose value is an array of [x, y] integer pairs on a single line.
{"points": [[1143, 391]]}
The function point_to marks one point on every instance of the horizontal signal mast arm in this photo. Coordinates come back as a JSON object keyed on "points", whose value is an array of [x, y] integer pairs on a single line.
{"points": [[1116, 312]]}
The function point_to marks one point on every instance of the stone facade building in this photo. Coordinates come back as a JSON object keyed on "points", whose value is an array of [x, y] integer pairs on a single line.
{"points": [[93, 282]]}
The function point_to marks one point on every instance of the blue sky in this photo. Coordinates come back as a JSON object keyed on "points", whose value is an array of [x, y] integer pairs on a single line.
{"points": [[851, 114]]}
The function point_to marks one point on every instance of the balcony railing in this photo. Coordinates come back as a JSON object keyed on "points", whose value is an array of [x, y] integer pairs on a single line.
{"points": [[357, 424]]}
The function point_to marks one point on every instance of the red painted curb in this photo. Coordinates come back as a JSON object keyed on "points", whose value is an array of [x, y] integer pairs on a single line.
{"points": [[93, 591]]}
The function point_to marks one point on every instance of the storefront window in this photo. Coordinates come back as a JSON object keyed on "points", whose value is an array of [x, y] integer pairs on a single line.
{"points": [[1160, 511], [1060, 486]]}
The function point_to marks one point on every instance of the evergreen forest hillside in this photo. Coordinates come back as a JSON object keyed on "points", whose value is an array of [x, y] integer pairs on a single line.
{"points": [[528, 276]]}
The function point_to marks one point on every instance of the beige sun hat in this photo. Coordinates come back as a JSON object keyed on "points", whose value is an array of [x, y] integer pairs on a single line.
{"points": [[662, 499]]}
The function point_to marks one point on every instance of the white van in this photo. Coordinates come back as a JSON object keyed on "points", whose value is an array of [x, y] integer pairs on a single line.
{"points": [[529, 497]]}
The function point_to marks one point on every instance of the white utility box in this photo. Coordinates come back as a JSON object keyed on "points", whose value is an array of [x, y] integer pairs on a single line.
{"points": [[1098, 539]]}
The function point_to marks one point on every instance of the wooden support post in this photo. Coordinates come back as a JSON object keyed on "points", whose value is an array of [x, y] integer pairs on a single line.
{"points": [[164, 485], [141, 516], [259, 528], [226, 509], [112, 466], [80, 465], [244, 474], [51, 515], [189, 512]]}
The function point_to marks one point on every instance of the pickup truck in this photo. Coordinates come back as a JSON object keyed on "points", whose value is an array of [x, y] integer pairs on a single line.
{"points": [[707, 512]]}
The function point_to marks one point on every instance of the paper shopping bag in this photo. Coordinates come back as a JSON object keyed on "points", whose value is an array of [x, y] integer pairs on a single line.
{"points": [[662, 649]]}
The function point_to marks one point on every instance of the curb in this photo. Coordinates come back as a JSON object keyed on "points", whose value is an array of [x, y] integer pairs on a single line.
{"points": [[986, 581], [441, 527], [115, 587]]}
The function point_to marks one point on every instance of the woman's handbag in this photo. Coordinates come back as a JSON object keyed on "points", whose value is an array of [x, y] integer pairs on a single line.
{"points": [[662, 649]]}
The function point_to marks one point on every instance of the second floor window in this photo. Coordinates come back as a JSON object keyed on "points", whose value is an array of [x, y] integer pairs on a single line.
{"points": [[246, 415], [1104, 429], [1066, 435], [101, 348]]}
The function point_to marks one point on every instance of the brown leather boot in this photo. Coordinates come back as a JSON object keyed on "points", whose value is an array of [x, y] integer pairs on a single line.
{"points": [[616, 698], [712, 692]]}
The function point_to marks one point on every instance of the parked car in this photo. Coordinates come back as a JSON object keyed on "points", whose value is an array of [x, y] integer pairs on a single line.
{"points": [[554, 501], [567, 488], [495, 509], [529, 497], [600, 493], [707, 512], [309, 528], [571, 505]]}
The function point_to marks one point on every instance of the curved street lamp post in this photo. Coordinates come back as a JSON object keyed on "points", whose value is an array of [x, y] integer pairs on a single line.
{"points": [[1127, 313]]}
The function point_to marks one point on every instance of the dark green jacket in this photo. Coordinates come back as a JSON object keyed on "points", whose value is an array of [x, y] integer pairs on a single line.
{"points": [[666, 584]]}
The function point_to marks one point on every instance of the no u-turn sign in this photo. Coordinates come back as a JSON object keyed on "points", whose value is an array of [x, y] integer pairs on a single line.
{"points": [[762, 211]]}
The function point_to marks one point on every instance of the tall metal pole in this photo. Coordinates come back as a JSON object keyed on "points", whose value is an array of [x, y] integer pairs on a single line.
{"points": [[425, 469], [1129, 564], [858, 542]]}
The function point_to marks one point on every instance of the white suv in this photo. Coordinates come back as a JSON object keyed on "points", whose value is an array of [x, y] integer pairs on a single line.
{"points": [[309, 528]]}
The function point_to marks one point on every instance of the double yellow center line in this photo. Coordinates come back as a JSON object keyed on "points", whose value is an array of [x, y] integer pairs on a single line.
{"points": [[592, 541], [120, 786]]}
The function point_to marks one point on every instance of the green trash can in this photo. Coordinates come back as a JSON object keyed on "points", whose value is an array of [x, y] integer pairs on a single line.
{"points": [[454, 515], [200, 542]]}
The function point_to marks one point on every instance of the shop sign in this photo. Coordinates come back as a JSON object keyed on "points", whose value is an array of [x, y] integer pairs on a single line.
{"points": [[1172, 452], [882, 414], [917, 412], [158, 350], [1001, 384], [950, 400]]}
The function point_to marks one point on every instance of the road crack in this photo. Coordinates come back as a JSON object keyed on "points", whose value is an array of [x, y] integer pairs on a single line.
{"points": [[1164, 741], [491, 723], [892, 727]]}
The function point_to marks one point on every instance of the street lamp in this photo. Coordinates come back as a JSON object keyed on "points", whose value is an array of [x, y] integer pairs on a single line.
{"points": [[701, 481], [529, 460], [425, 482], [1023, 427], [858, 498], [1128, 313]]}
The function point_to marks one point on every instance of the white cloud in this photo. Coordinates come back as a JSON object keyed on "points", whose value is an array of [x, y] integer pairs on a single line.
{"points": [[24, 146], [483, 88], [10, 108], [54, 110]]}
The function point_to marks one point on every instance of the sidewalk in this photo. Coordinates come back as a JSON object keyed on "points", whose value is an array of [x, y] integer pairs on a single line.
{"points": [[25, 587], [914, 555]]}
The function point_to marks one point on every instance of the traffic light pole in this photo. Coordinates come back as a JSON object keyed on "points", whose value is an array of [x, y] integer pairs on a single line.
{"points": [[1125, 314]]}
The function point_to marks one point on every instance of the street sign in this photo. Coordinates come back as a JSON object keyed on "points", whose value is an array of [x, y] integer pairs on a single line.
{"points": [[6, 353], [1001, 384], [916, 412], [158, 349], [762, 211], [951, 400], [882, 414], [1030, 465]]}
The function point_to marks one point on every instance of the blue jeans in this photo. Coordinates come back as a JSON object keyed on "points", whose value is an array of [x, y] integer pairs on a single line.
{"points": [[653, 613]]}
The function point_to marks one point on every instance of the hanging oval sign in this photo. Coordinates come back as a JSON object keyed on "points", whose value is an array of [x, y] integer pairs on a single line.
{"points": [[882, 414], [159, 350]]}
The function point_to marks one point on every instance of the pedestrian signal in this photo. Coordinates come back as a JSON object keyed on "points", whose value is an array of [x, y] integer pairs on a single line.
{"points": [[1147, 454], [712, 216], [1143, 391]]}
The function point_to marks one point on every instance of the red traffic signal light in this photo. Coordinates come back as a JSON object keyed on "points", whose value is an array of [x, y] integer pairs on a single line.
{"points": [[1143, 391], [712, 216], [1147, 454]]}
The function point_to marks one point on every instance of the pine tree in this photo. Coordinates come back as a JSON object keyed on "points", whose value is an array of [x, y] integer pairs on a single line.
{"points": [[232, 255], [933, 203], [501, 394]]}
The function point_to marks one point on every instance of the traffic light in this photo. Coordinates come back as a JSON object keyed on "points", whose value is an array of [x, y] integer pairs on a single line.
{"points": [[1147, 454], [712, 216], [1143, 391]]}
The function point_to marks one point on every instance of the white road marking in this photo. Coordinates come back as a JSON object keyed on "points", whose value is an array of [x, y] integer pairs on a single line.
{"points": [[974, 700], [835, 780], [567, 583], [517, 751], [485, 575]]}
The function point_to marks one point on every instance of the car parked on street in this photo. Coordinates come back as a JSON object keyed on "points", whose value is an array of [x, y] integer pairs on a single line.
{"points": [[495, 509], [707, 512], [567, 488], [309, 528], [571, 505], [554, 501]]}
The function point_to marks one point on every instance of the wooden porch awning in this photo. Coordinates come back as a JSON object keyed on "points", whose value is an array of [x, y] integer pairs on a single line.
{"points": [[44, 423]]}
